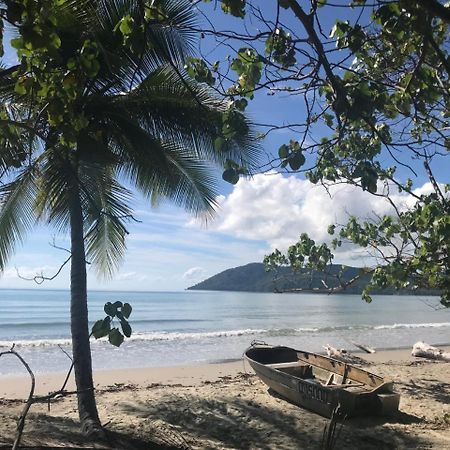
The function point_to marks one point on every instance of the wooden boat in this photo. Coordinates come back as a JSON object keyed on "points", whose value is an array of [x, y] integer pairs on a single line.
{"points": [[320, 384]]}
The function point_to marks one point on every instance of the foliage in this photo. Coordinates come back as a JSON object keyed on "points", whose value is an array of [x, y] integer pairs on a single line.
{"points": [[376, 109], [100, 104], [304, 254], [100, 98], [106, 327]]}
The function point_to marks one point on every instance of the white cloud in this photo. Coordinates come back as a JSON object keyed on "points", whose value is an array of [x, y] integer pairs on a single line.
{"points": [[130, 276], [276, 209], [194, 273]]}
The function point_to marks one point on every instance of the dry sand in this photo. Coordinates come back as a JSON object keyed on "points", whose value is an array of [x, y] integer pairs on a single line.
{"points": [[224, 406]]}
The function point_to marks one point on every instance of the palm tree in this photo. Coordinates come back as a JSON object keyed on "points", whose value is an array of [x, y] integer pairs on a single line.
{"points": [[147, 126]]}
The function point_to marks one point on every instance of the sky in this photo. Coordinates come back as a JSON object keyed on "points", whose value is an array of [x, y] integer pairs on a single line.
{"points": [[169, 250]]}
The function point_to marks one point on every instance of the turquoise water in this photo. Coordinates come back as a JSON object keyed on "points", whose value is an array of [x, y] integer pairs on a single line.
{"points": [[172, 328]]}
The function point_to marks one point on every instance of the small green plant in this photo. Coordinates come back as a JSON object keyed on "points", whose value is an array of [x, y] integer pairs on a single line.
{"points": [[116, 311]]}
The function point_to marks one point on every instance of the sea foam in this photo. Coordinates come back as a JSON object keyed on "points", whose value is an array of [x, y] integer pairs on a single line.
{"points": [[223, 334]]}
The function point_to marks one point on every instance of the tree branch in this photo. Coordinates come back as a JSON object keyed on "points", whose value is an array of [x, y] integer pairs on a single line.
{"points": [[436, 8], [32, 398]]}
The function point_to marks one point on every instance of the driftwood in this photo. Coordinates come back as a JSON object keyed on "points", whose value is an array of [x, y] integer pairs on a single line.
{"points": [[343, 355], [423, 350], [364, 347], [331, 431], [32, 398], [333, 352]]}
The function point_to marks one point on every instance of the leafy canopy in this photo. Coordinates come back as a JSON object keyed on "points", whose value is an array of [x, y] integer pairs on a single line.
{"points": [[375, 115], [100, 95]]}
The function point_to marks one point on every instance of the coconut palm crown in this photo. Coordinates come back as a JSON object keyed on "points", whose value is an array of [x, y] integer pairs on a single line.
{"points": [[107, 104]]}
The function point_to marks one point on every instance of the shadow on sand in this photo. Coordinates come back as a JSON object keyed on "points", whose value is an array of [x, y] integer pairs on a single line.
{"points": [[54, 433], [232, 422], [427, 388]]}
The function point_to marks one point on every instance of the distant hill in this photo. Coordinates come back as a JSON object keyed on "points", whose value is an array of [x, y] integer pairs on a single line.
{"points": [[253, 278]]}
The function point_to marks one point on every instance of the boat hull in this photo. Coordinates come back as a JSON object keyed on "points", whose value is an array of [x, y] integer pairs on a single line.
{"points": [[306, 391]]}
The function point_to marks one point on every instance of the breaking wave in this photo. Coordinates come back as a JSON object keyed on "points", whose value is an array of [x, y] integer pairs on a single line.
{"points": [[196, 336], [412, 325]]}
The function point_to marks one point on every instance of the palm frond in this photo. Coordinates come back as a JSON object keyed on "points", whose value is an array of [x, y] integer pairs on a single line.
{"points": [[163, 169], [17, 214], [148, 124], [83, 11], [165, 107], [52, 198], [106, 213], [163, 42], [168, 102], [7, 84], [194, 186], [173, 39]]}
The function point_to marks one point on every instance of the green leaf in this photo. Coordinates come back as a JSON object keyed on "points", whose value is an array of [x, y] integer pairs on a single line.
{"points": [[230, 176], [126, 328], [296, 160], [17, 43], [280, 47], [155, 11], [20, 89], [126, 25], [109, 309], [234, 7], [126, 310], [366, 297], [241, 104], [117, 305], [97, 327], [328, 119], [115, 337], [283, 151], [219, 143], [197, 69], [101, 328]]}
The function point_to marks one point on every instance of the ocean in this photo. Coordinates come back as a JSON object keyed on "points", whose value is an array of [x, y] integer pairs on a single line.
{"points": [[190, 327]]}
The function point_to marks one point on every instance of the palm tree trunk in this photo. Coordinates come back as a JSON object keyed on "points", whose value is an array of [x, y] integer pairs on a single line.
{"points": [[81, 349]]}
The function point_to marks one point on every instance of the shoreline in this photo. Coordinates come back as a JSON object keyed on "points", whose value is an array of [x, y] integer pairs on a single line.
{"points": [[15, 387]]}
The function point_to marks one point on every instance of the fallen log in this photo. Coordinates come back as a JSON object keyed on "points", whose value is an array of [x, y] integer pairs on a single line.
{"points": [[364, 347], [423, 350]]}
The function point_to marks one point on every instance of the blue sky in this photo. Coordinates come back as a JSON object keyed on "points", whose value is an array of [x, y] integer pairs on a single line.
{"points": [[169, 250]]}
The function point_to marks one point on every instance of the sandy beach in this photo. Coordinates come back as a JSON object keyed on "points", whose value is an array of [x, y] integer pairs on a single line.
{"points": [[225, 406]]}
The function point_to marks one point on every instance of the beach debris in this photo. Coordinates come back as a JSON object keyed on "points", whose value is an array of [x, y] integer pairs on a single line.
{"points": [[333, 429], [32, 397], [167, 435], [364, 348], [343, 355], [333, 352], [423, 350]]}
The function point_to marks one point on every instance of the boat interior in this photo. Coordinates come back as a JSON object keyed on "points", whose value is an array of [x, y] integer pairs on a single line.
{"points": [[316, 368]]}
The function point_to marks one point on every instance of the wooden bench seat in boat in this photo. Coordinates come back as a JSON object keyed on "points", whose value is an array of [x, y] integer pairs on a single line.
{"points": [[295, 368], [302, 370], [286, 365]]}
